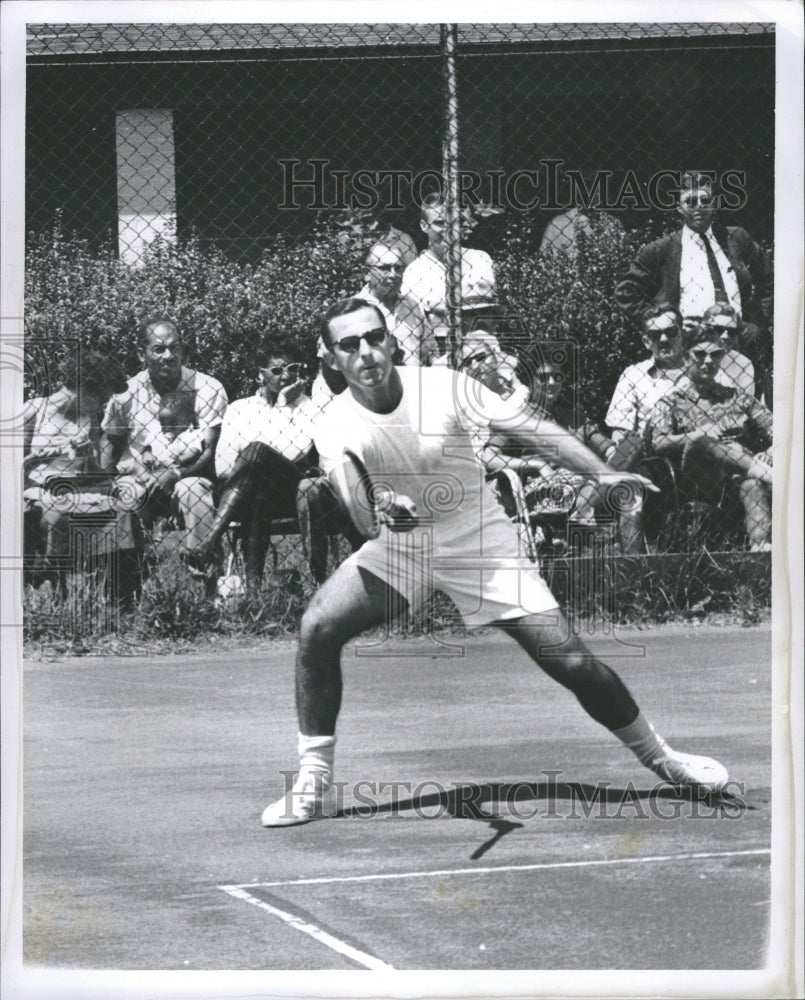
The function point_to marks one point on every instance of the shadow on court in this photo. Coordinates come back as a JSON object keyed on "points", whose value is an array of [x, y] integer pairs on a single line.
{"points": [[486, 822]]}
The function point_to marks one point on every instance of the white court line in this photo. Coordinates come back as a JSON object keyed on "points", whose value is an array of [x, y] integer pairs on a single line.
{"points": [[361, 957], [542, 866]]}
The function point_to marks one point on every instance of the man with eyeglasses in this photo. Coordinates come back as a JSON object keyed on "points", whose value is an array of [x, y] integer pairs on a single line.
{"points": [[481, 357], [717, 434], [700, 264], [723, 323], [264, 450], [411, 427], [384, 267], [404, 318], [641, 385]]}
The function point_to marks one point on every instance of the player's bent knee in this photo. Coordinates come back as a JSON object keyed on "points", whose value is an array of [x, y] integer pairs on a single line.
{"points": [[319, 631]]}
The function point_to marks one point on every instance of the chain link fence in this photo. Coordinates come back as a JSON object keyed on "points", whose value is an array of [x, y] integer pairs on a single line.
{"points": [[579, 217]]}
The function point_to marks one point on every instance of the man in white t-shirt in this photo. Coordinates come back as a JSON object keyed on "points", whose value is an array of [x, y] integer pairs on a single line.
{"points": [[443, 530], [424, 280]]}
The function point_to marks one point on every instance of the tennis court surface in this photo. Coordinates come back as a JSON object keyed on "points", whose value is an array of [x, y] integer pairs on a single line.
{"points": [[487, 822]]}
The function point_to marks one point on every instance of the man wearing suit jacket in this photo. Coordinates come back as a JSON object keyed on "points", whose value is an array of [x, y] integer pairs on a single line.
{"points": [[700, 265]]}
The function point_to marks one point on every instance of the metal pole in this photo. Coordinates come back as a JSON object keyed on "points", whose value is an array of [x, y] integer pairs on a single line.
{"points": [[450, 172]]}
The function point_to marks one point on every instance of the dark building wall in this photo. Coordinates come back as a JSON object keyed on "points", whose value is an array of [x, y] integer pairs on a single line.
{"points": [[642, 107]]}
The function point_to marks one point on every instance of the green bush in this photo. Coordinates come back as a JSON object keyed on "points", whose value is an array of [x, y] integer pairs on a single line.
{"points": [[224, 309], [558, 297]]}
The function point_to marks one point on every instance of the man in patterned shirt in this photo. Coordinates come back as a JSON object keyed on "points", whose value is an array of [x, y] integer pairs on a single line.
{"points": [[717, 433], [162, 433]]}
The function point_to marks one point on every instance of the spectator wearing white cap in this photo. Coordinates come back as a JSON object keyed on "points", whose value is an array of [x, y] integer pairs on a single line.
{"points": [[482, 357]]}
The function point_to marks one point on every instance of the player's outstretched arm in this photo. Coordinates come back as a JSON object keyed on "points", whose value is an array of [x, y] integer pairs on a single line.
{"points": [[553, 442], [562, 448]]}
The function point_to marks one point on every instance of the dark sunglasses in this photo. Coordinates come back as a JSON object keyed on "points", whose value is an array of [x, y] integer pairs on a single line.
{"points": [[547, 376], [476, 359], [705, 201], [292, 369], [730, 330], [670, 331], [703, 355], [349, 345]]}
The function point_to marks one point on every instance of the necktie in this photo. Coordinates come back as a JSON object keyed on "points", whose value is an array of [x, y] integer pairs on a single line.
{"points": [[719, 288]]}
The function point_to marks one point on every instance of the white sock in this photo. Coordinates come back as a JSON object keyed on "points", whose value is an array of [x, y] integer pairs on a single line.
{"points": [[642, 739], [317, 755]]}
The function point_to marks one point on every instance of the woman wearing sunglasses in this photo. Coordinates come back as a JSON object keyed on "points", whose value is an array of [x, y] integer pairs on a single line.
{"points": [[263, 452], [720, 436]]}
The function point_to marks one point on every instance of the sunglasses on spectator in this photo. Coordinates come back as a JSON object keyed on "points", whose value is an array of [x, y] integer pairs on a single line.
{"points": [[669, 331], [704, 355], [547, 376], [294, 369], [477, 359], [349, 345], [731, 330], [703, 201]]}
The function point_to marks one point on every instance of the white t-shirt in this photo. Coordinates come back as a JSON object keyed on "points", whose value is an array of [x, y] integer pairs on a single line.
{"points": [[425, 449], [464, 544], [424, 279]]}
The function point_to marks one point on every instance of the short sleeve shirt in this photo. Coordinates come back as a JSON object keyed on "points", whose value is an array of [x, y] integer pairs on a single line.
{"points": [[728, 409], [424, 279], [639, 388], [135, 413], [287, 429]]}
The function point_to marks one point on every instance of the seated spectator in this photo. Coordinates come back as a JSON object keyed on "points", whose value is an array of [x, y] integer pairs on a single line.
{"points": [[264, 450], [424, 280], [61, 441], [642, 385], [162, 431], [549, 488], [717, 434], [736, 369]]}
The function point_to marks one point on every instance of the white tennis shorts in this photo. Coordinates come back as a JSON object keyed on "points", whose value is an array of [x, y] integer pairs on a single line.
{"points": [[488, 579]]}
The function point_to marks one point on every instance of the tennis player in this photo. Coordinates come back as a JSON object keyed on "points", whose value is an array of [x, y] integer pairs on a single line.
{"points": [[413, 428]]}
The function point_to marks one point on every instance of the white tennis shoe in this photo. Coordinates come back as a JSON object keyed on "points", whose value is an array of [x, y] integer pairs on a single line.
{"points": [[691, 771], [311, 797]]}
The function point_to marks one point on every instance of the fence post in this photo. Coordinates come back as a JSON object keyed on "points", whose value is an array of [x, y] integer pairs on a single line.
{"points": [[450, 173]]}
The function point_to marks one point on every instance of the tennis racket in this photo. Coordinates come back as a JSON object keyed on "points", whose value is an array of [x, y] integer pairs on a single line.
{"points": [[355, 490]]}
